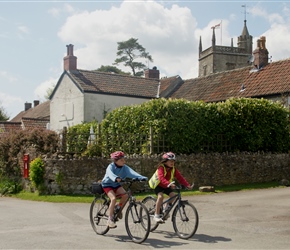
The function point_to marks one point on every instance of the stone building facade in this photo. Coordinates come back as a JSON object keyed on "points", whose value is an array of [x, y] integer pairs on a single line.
{"points": [[219, 58]]}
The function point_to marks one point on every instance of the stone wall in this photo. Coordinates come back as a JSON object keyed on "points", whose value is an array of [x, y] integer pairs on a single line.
{"points": [[69, 175]]}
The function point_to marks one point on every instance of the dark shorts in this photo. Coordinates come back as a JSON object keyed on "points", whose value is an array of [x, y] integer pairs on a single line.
{"points": [[159, 189], [108, 189]]}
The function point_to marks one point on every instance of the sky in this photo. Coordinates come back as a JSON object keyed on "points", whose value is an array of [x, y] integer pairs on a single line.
{"points": [[34, 35]]}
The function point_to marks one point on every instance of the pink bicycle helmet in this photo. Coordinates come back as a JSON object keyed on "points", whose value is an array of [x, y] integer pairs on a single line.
{"points": [[117, 155], [168, 156]]}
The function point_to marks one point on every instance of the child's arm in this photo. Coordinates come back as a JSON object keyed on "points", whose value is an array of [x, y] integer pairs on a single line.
{"points": [[130, 173], [181, 179]]}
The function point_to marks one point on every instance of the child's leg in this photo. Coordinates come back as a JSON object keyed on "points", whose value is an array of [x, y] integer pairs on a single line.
{"points": [[171, 194], [159, 202], [112, 196], [124, 197]]}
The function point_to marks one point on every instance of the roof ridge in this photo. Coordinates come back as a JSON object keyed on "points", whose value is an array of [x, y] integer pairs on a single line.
{"points": [[116, 74]]}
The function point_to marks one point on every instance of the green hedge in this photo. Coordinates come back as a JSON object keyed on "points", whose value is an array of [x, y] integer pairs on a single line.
{"points": [[242, 124]]}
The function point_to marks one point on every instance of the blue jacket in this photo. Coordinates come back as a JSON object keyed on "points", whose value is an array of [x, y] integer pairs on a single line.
{"points": [[114, 172]]}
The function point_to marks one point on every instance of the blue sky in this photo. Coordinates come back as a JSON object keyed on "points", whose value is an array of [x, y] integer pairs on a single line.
{"points": [[34, 35]]}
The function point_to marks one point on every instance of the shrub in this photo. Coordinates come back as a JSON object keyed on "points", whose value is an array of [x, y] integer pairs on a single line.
{"points": [[14, 143], [36, 172], [8, 186]]}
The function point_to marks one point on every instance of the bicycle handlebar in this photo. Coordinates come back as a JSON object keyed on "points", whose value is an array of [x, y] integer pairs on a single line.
{"points": [[124, 181], [180, 187]]}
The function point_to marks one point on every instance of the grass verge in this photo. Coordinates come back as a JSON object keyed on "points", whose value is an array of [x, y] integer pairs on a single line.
{"points": [[89, 198]]}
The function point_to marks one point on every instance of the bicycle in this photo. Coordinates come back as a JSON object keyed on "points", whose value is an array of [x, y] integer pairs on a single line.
{"points": [[184, 216], [137, 219]]}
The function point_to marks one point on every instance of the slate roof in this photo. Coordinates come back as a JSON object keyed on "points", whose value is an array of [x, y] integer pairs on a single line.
{"points": [[114, 84], [272, 80]]}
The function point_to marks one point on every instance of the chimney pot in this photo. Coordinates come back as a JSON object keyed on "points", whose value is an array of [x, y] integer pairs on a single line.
{"points": [[70, 61], [261, 53], [152, 73], [36, 102], [27, 106]]}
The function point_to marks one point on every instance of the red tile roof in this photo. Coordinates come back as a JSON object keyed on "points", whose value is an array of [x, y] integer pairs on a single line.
{"points": [[272, 80]]}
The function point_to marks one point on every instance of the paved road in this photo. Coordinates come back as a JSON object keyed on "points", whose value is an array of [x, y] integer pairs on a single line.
{"points": [[257, 219]]}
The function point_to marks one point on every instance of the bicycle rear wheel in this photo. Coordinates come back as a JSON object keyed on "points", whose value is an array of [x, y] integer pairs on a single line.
{"points": [[99, 215], [150, 202], [137, 222], [185, 220]]}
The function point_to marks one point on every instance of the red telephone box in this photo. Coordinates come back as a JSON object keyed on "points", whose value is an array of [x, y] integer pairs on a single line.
{"points": [[26, 166]]}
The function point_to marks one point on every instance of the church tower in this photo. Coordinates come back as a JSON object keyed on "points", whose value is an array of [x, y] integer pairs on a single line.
{"points": [[218, 58]]}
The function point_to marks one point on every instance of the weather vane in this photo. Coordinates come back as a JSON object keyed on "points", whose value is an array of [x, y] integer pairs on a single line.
{"points": [[245, 11]]}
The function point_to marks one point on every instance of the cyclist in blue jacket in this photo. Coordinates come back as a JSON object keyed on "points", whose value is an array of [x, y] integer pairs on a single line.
{"points": [[116, 172]]}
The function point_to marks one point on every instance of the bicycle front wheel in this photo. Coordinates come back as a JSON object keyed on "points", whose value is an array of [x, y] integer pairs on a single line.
{"points": [[150, 202], [137, 222], [185, 220], [99, 215]]}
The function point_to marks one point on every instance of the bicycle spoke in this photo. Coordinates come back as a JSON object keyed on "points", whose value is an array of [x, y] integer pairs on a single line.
{"points": [[185, 220], [149, 202], [98, 216], [137, 222]]}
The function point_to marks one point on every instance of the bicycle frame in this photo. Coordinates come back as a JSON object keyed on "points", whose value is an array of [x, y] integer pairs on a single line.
{"points": [[129, 199], [137, 219], [177, 199]]}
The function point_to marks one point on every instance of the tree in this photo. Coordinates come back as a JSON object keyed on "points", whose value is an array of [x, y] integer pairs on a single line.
{"points": [[128, 52], [112, 69], [3, 114], [49, 92]]}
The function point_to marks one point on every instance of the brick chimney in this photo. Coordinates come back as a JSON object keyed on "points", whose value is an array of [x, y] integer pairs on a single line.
{"points": [[152, 73], [260, 53], [36, 102], [27, 106], [70, 61]]}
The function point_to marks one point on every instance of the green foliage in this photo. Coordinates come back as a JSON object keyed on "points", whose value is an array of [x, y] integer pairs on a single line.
{"points": [[15, 143], [3, 114], [78, 137], [128, 52], [235, 125], [36, 172], [59, 178], [49, 91], [93, 150], [112, 69], [185, 127], [9, 186], [256, 124]]}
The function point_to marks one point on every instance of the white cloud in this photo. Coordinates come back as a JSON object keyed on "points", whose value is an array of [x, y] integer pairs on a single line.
{"points": [[166, 33], [23, 29], [9, 102], [55, 12], [41, 91], [7, 76], [278, 33], [68, 8], [169, 34]]}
